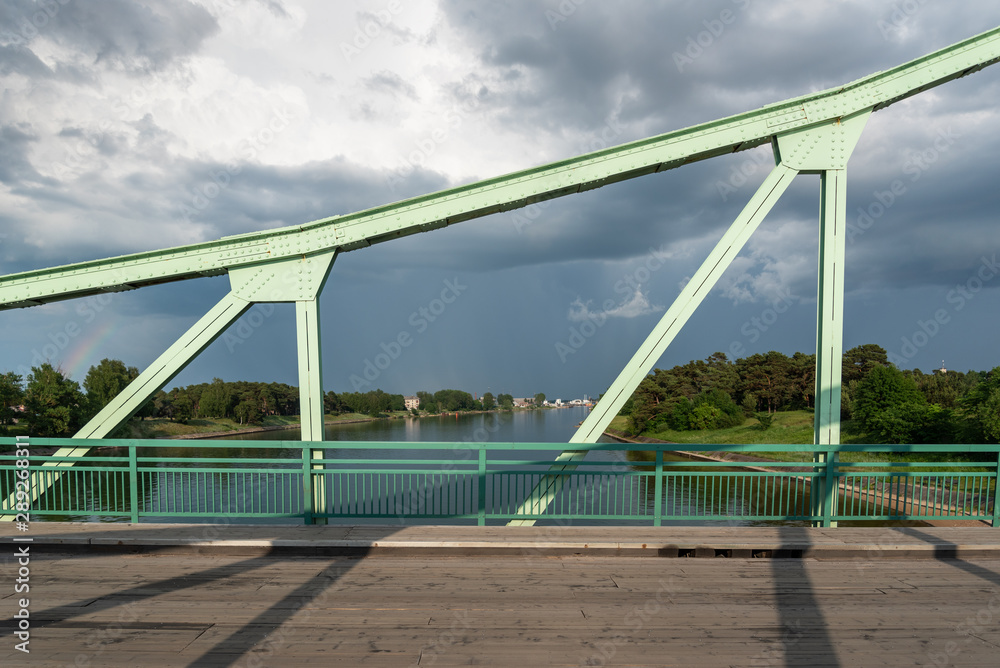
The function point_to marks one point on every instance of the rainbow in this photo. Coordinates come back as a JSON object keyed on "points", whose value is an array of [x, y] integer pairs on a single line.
{"points": [[83, 352]]}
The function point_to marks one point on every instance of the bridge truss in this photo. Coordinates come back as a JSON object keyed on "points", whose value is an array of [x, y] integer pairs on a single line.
{"points": [[812, 134]]}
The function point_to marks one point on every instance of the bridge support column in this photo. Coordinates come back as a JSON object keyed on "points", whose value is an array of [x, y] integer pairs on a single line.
{"points": [[311, 391], [829, 335]]}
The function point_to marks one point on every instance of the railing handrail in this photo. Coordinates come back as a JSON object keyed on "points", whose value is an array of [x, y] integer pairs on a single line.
{"points": [[504, 445], [298, 484]]}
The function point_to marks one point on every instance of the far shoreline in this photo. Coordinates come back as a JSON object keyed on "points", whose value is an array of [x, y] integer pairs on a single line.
{"points": [[262, 429]]}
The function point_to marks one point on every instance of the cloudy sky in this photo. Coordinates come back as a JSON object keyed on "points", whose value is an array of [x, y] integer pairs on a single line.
{"points": [[134, 125]]}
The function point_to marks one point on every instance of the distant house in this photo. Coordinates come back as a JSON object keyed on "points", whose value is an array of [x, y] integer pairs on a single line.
{"points": [[524, 403], [576, 402], [411, 402]]}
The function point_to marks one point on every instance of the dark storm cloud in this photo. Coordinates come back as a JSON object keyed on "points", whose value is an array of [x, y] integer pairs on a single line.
{"points": [[679, 63], [660, 66], [134, 37]]}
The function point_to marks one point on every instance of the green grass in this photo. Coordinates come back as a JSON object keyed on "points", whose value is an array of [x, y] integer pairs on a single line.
{"points": [[162, 427], [790, 427]]}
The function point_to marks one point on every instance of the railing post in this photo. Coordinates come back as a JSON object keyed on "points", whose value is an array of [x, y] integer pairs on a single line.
{"points": [[307, 493], [830, 488], [481, 511], [318, 487], [133, 485], [658, 489], [996, 494]]}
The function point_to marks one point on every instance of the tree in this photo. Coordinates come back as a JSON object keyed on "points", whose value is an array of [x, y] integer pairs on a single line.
{"points": [[247, 412], [859, 361], [506, 402], [426, 399], [11, 398], [489, 403], [216, 400], [454, 400], [889, 406], [768, 377], [540, 399], [105, 381], [54, 405], [332, 403], [162, 404], [981, 405], [182, 408]]}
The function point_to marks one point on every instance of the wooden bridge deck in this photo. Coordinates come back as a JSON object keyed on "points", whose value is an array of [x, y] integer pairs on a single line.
{"points": [[160, 595]]}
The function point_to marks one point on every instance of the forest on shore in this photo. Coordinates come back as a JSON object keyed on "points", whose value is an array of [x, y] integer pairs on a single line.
{"points": [[48, 403], [887, 404]]}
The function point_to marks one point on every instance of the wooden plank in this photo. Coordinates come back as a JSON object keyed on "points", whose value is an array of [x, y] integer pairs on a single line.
{"points": [[177, 609]]}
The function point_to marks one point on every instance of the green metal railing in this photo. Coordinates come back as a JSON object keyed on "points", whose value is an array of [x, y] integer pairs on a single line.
{"points": [[488, 482]]}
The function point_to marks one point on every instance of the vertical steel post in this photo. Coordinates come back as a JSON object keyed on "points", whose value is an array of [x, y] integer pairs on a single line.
{"points": [[658, 489], [829, 332], [307, 493], [996, 495], [311, 391], [133, 485], [481, 511]]}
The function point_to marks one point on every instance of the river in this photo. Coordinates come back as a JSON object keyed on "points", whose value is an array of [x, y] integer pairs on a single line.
{"points": [[554, 425], [687, 497]]}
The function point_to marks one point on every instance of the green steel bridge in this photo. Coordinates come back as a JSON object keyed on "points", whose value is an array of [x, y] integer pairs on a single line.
{"points": [[812, 134]]}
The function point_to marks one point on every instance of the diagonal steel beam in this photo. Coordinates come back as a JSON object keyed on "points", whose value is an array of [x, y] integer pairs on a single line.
{"points": [[166, 366], [662, 335], [150, 381]]}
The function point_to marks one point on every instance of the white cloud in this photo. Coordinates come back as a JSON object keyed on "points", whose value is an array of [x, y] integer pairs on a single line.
{"points": [[633, 306]]}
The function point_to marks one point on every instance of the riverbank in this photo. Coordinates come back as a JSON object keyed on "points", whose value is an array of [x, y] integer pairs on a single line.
{"points": [[210, 428], [898, 497]]}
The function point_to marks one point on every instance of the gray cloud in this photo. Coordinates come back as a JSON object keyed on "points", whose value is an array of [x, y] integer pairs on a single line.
{"points": [[133, 37]]}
